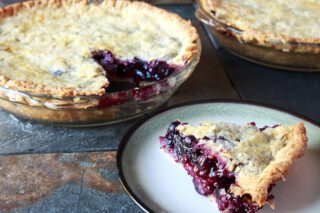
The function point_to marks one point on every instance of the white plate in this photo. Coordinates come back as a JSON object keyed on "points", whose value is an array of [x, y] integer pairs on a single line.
{"points": [[159, 184]]}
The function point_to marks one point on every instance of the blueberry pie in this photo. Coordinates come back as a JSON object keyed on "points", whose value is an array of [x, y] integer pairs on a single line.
{"points": [[238, 165], [279, 24], [279, 34], [73, 47]]}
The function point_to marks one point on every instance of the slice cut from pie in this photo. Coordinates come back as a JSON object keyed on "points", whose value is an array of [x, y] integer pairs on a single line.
{"points": [[238, 165]]}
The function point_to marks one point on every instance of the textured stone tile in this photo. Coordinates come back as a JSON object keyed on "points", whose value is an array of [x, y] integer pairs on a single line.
{"points": [[96, 201], [19, 136], [70, 182], [64, 199]]}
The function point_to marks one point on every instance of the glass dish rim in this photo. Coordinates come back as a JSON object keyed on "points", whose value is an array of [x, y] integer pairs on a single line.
{"points": [[213, 22]]}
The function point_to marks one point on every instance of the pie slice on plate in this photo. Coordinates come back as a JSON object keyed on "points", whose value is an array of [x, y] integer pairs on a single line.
{"points": [[238, 165]]}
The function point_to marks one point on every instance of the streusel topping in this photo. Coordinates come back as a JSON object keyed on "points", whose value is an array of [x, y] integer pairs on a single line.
{"points": [[299, 18], [247, 148]]}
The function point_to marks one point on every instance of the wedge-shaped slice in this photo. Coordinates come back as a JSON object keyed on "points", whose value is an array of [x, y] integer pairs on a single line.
{"points": [[236, 164]]}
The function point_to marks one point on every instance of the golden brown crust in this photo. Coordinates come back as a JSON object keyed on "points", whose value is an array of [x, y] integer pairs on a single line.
{"points": [[191, 52], [192, 49], [246, 34], [257, 185], [41, 89]]}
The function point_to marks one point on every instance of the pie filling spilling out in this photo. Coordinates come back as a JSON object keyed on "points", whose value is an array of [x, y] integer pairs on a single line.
{"points": [[238, 165], [136, 69], [71, 48]]}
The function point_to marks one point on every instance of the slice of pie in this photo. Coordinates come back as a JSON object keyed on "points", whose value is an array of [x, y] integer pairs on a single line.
{"points": [[73, 47], [236, 164]]}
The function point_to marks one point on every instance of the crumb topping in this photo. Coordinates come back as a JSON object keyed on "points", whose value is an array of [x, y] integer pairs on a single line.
{"points": [[297, 19], [256, 157], [248, 149]]}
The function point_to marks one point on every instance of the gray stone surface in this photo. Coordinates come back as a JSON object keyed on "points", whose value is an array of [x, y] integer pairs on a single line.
{"points": [[93, 201], [72, 198], [19, 136], [65, 182], [64, 199]]}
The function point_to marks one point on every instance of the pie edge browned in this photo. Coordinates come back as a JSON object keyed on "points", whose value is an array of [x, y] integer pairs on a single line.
{"points": [[245, 34], [276, 170]]}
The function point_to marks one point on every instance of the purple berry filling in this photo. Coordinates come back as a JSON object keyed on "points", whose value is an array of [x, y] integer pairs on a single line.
{"points": [[136, 69], [209, 172], [265, 127]]}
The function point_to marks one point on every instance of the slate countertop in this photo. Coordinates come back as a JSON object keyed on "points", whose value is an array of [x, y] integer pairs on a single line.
{"points": [[58, 169]]}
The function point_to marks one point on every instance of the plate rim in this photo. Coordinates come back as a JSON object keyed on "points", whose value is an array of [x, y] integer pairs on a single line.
{"points": [[125, 139]]}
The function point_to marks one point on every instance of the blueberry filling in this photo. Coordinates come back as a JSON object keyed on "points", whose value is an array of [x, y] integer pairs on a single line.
{"points": [[57, 72], [136, 69], [209, 172], [265, 127], [133, 72]]}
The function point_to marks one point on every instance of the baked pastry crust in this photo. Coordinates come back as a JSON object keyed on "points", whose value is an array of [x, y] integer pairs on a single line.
{"points": [[245, 31], [184, 28], [257, 185], [258, 158]]}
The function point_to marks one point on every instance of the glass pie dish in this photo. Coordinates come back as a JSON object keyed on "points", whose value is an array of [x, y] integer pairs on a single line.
{"points": [[275, 55], [124, 102], [102, 77]]}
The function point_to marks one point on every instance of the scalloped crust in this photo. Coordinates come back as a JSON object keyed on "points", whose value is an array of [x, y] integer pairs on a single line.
{"points": [[192, 51], [257, 185], [272, 40]]}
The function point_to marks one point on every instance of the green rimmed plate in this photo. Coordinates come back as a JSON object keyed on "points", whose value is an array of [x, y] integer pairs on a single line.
{"points": [[158, 184]]}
